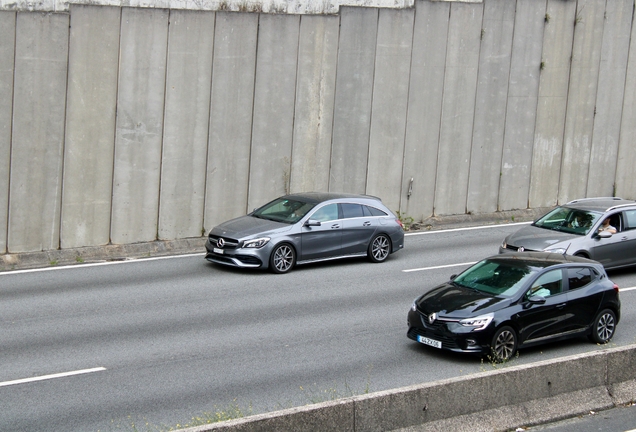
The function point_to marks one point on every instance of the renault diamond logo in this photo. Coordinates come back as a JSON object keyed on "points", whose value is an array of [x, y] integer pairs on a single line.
{"points": [[432, 317], [220, 242]]}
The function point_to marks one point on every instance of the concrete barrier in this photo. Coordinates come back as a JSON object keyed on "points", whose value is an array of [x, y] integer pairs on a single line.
{"points": [[501, 399]]}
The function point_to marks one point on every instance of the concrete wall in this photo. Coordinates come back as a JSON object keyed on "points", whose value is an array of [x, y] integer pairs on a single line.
{"points": [[500, 399], [150, 123], [37, 135]]}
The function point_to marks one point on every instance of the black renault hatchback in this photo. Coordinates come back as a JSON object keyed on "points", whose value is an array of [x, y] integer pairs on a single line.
{"points": [[516, 300]]}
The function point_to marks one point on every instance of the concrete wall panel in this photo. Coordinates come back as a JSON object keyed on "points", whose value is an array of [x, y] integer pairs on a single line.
{"points": [[186, 120], [390, 100], [140, 103], [458, 109], [579, 122], [232, 94], [609, 107], [523, 93], [625, 178], [41, 58], [90, 126], [490, 105], [274, 97], [424, 109], [315, 91], [7, 55], [552, 104], [354, 95]]}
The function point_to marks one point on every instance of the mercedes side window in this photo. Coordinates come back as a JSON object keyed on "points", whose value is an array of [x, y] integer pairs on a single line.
{"points": [[350, 211], [326, 213], [372, 211], [578, 277]]}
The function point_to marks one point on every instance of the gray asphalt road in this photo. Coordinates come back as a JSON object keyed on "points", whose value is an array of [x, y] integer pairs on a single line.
{"points": [[180, 338]]}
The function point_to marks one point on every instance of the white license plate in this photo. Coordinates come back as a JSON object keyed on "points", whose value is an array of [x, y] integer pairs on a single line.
{"points": [[431, 342], [217, 250]]}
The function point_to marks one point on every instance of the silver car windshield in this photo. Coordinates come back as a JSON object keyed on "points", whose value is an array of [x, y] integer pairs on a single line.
{"points": [[569, 220], [496, 278], [283, 210]]}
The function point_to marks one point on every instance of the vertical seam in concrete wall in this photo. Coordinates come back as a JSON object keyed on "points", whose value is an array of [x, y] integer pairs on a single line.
{"points": [[472, 135], [293, 122], [333, 107], [207, 142], [598, 76], [112, 185], [375, 51], [536, 110], [68, 66], [441, 107], [15, 42], [567, 99], [163, 121], [249, 156], [406, 115], [503, 137]]}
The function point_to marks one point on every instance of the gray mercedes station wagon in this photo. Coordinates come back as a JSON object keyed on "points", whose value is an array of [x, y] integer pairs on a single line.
{"points": [[304, 228], [602, 229]]}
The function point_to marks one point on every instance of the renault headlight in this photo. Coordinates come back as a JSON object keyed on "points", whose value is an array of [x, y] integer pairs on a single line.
{"points": [[256, 243], [479, 323]]}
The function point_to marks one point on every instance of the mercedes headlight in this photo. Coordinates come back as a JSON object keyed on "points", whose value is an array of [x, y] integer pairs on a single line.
{"points": [[256, 243]]}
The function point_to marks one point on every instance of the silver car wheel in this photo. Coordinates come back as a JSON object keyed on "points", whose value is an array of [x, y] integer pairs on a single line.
{"points": [[604, 326], [379, 248], [283, 259], [504, 344]]}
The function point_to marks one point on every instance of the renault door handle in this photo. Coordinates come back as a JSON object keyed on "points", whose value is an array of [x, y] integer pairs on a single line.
{"points": [[561, 306]]}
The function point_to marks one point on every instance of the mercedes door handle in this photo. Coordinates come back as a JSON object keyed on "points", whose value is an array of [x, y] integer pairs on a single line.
{"points": [[366, 223], [335, 226]]}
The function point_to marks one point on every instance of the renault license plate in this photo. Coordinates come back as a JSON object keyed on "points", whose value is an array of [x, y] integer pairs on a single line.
{"points": [[430, 342]]}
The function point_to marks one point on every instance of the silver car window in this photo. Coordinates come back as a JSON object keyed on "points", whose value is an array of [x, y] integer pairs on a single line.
{"points": [[569, 220], [630, 216]]}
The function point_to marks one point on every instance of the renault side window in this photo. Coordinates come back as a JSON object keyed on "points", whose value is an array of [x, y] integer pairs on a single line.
{"points": [[547, 284], [578, 277]]}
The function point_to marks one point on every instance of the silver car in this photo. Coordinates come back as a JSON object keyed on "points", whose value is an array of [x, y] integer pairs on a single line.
{"points": [[304, 228], [602, 229]]}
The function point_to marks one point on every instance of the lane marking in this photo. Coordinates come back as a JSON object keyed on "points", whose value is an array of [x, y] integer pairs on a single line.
{"points": [[620, 290], [439, 267], [467, 228], [98, 264], [52, 376], [125, 261]]}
